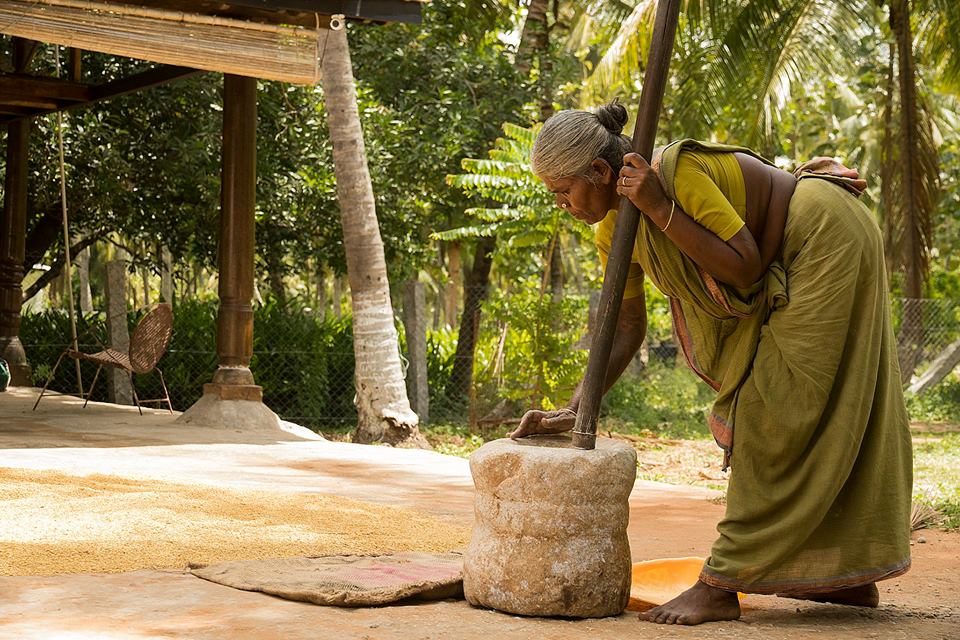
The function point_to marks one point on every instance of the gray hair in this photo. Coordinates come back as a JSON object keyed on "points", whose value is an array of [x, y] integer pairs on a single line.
{"points": [[571, 140]]}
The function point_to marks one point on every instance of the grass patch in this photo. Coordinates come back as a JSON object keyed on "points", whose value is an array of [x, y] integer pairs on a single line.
{"points": [[936, 475], [660, 400], [938, 405], [456, 440]]}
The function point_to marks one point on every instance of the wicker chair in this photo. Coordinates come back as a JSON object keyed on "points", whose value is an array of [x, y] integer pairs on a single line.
{"points": [[147, 345]]}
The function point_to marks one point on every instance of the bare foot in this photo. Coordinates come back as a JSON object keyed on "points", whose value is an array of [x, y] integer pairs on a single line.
{"points": [[700, 603], [863, 596]]}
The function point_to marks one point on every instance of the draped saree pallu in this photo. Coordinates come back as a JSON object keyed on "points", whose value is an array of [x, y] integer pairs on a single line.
{"points": [[805, 369]]}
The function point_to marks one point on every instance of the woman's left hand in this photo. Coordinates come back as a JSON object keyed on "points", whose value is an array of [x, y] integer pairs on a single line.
{"points": [[640, 183]]}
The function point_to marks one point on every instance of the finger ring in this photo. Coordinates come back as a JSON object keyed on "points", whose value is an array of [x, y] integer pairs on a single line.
{"points": [[623, 181]]}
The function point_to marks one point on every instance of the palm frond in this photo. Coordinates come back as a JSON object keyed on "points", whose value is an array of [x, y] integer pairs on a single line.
{"points": [[625, 56], [790, 39], [937, 29], [464, 233], [526, 208]]}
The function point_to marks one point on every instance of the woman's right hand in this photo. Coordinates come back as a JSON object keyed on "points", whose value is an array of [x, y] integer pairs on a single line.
{"points": [[537, 421]]}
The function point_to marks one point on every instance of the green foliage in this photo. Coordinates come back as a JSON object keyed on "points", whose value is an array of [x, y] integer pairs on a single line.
{"points": [[304, 365], [940, 404], [441, 348], [435, 93], [662, 399], [525, 214], [539, 364]]}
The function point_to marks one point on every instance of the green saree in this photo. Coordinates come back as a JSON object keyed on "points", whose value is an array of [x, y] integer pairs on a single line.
{"points": [[805, 369]]}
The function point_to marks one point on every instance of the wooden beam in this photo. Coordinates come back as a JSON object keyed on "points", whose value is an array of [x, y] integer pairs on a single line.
{"points": [[296, 12], [74, 68], [10, 110], [43, 89], [23, 52], [377, 10], [96, 93], [138, 82], [32, 105], [625, 232], [302, 13]]}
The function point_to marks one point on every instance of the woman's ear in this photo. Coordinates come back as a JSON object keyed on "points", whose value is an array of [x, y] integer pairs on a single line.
{"points": [[603, 171]]}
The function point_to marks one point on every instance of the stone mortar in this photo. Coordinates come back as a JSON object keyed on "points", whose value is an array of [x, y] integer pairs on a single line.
{"points": [[550, 535]]}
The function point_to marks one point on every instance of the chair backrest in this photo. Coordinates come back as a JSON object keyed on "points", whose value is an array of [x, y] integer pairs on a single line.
{"points": [[151, 337]]}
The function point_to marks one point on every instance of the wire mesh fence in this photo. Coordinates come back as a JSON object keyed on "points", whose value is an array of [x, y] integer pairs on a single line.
{"points": [[305, 364]]}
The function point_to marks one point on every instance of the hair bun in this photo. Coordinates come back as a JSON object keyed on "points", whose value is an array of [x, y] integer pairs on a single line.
{"points": [[613, 116]]}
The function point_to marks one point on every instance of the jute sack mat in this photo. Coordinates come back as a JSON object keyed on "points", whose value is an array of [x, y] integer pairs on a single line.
{"points": [[346, 581]]}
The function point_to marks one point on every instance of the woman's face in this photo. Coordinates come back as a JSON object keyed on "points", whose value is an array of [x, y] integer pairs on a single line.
{"points": [[585, 200]]}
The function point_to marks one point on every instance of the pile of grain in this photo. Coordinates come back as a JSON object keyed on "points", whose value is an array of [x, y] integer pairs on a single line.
{"points": [[51, 523]]}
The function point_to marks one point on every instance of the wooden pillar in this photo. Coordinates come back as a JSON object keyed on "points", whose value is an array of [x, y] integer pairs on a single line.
{"points": [[235, 255], [13, 230]]}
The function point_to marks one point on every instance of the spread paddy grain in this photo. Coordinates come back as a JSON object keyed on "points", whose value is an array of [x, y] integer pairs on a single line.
{"points": [[52, 523]]}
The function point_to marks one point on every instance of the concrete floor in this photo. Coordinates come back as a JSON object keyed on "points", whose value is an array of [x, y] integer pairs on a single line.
{"points": [[665, 521]]}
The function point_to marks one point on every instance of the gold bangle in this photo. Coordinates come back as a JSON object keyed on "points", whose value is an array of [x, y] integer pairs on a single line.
{"points": [[673, 205]]}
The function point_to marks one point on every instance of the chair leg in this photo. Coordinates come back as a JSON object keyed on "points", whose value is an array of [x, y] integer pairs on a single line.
{"points": [[92, 384], [49, 379], [166, 394], [133, 387]]}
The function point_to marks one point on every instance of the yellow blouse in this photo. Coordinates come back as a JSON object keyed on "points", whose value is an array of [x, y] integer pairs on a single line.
{"points": [[709, 188]]}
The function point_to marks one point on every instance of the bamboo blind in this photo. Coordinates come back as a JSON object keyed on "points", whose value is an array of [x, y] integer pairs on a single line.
{"points": [[232, 46]]}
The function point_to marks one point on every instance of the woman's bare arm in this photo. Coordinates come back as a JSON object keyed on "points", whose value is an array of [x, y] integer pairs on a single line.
{"points": [[736, 262], [631, 329]]}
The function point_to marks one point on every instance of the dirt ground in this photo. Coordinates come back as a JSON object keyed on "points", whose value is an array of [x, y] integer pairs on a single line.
{"points": [[666, 521]]}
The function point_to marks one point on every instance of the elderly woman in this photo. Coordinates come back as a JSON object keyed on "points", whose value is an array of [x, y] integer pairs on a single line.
{"points": [[779, 300]]}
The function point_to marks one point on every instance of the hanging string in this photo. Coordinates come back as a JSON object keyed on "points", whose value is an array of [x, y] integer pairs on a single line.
{"points": [[66, 233]]}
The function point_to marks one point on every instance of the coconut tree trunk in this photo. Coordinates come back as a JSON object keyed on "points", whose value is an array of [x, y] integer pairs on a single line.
{"points": [[918, 175], [119, 389], [889, 171], [383, 409], [916, 259]]}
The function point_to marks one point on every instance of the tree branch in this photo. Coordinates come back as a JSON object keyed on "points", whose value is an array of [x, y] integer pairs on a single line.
{"points": [[57, 267]]}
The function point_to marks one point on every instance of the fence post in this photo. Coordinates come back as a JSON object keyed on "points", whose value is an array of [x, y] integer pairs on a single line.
{"points": [[415, 328]]}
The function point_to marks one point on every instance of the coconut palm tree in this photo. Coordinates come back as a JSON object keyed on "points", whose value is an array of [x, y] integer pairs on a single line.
{"points": [[383, 409]]}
